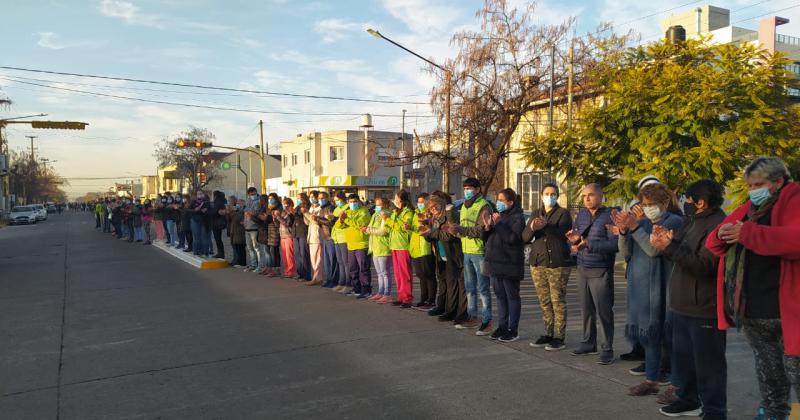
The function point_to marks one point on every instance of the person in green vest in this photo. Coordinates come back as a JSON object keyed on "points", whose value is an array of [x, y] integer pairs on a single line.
{"points": [[353, 220], [399, 227], [379, 248], [339, 243], [98, 214], [471, 229], [422, 259]]}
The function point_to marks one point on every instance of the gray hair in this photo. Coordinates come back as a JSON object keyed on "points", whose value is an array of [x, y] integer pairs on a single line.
{"points": [[769, 167]]}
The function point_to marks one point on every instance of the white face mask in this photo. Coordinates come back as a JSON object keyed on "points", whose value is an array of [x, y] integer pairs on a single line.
{"points": [[652, 212]]}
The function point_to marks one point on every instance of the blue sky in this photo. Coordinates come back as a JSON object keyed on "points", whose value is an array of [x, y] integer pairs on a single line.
{"points": [[307, 47]]}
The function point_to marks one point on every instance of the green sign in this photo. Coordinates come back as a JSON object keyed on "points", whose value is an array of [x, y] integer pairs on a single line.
{"points": [[225, 166]]}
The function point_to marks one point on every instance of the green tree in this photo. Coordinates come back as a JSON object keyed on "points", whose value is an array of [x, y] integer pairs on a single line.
{"points": [[680, 111]]}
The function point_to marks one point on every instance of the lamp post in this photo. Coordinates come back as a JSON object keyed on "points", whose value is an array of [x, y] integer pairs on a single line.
{"points": [[448, 83]]}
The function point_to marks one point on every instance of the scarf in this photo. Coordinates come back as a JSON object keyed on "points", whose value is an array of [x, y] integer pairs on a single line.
{"points": [[734, 267]]}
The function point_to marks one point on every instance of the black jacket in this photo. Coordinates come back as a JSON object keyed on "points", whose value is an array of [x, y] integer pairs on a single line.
{"points": [[218, 221], [450, 243], [550, 248], [693, 285], [504, 253]]}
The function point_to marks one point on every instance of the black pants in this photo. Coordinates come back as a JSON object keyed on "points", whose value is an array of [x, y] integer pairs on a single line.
{"points": [[698, 357], [509, 303], [777, 372], [167, 239], [425, 269], [456, 296], [441, 287], [239, 254], [218, 242], [185, 237], [97, 221]]}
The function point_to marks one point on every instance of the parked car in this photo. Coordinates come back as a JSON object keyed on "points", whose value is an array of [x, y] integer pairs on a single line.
{"points": [[23, 215], [51, 208], [41, 212]]}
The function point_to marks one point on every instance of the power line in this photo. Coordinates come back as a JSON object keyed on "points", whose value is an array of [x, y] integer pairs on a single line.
{"points": [[218, 108], [263, 92]]}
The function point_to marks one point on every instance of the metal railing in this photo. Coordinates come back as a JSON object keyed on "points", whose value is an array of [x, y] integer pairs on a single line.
{"points": [[787, 39]]}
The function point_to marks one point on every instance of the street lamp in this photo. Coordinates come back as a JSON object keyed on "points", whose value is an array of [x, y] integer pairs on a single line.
{"points": [[448, 82]]}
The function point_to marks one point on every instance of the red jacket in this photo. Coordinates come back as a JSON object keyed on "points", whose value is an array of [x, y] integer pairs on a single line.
{"points": [[781, 238]]}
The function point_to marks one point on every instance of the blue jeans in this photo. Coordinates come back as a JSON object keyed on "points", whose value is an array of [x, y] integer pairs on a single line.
{"points": [[172, 231], [330, 268], [476, 284], [302, 258], [199, 245], [699, 362], [264, 257], [139, 233], [341, 260]]}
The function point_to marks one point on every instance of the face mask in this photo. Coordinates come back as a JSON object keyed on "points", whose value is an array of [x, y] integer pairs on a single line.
{"points": [[354, 206], [271, 202], [339, 203], [178, 199], [314, 201], [689, 209], [237, 206], [323, 202], [759, 195], [252, 197], [469, 194], [163, 201], [421, 206], [550, 201], [147, 203], [378, 209], [501, 206], [169, 200], [652, 212]]}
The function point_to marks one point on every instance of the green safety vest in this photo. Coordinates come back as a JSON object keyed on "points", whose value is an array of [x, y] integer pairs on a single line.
{"points": [[379, 244], [356, 219], [469, 218], [418, 246], [399, 236], [337, 231]]}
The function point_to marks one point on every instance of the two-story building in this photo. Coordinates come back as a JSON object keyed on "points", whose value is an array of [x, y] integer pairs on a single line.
{"points": [[353, 161]]}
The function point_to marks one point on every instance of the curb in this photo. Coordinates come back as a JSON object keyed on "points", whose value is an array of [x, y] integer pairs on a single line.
{"points": [[201, 263]]}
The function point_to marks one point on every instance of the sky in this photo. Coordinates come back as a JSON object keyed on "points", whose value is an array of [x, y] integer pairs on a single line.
{"points": [[300, 47]]}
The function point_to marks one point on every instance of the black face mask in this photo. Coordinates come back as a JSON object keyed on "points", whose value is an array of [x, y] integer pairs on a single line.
{"points": [[689, 209]]}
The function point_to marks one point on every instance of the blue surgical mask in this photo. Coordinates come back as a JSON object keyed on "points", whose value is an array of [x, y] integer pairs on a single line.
{"points": [[323, 202], [253, 197], [500, 206], [550, 201], [271, 201], [759, 195], [469, 194], [354, 206], [378, 209], [421, 206], [237, 206]]}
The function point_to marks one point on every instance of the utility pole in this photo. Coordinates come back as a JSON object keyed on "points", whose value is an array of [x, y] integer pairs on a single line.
{"points": [[33, 159], [446, 174], [571, 74], [552, 92], [263, 161], [403, 152]]}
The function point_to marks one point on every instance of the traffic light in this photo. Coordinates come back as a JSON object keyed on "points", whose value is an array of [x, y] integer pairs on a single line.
{"points": [[197, 144], [59, 125]]}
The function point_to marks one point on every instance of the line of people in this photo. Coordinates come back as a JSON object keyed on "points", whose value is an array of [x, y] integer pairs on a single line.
{"points": [[691, 272]]}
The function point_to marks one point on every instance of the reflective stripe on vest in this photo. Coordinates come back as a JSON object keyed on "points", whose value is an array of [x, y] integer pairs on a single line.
{"points": [[469, 218]]}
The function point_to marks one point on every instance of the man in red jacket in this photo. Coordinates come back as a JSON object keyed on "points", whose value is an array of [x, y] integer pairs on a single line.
{"points": [[758, 280]]}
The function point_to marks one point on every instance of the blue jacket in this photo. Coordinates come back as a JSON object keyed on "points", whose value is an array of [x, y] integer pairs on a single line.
{"points": [[602, 248]]}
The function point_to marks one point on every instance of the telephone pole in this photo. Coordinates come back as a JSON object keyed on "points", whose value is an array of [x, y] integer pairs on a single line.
{"points": [[263, 161], [33, 158]]}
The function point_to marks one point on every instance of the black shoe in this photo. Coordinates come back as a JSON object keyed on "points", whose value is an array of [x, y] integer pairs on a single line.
{"points": [[606, 358], [435, 312], [499, 332], [556, 345], [542, 341], [405, 305], [634, 356], [187, 250], [583, 351], [445, 318], [418, 304], [713, 417], [220, 256], [638, 370], [509, 336], [663, 379], [363, 296], [681, 408], [397, 303]]}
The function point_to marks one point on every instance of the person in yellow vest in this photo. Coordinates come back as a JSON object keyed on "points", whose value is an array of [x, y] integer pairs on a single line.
{"points": [[339, 242], [422, 258], [471, 229], [399, 227], [353, 220], [379, 248]]}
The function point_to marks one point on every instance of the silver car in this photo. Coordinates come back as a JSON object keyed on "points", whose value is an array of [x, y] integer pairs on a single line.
{"points": [[23, 215], [41, 211]]}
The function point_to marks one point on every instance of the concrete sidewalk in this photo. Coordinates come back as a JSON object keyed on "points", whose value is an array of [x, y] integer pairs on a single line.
{"points": [[99, 328]]}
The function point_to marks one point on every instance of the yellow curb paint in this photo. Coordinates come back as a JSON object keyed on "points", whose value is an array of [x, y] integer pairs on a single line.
{"points": [[206, 265], [795, 412]]}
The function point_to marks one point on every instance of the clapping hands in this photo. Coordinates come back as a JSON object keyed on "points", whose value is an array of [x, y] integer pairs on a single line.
{"points": [[729, 233], [661, 237]]}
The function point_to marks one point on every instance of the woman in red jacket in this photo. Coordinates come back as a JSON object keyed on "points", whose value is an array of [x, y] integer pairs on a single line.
{"points": [[758, 279]]}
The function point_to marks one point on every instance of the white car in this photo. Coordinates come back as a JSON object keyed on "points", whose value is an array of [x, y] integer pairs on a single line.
{"points": [[41, 211], [23, 215]]}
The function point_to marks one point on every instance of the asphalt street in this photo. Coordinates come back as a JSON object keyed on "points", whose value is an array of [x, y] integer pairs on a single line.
{"points": [[92, 327]]}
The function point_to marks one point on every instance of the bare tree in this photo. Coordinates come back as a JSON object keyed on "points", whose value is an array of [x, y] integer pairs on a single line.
{"points": [[34, 182], [191, 163]]}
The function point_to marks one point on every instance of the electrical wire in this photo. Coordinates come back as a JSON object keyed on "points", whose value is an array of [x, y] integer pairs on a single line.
{"points": [[271, 93]]}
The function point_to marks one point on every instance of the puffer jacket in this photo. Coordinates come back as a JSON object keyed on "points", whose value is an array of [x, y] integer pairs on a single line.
{"points": [[504, 251]]}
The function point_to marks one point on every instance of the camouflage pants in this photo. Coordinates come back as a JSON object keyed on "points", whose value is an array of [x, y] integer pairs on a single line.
{"points": [[777, 372], [551, 288]]}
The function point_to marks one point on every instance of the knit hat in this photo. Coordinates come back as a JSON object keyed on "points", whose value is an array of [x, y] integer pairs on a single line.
{"points": [[649, 179]]}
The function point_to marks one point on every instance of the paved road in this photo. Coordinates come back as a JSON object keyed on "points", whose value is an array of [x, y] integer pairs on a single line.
{"points": [[92, 328]]}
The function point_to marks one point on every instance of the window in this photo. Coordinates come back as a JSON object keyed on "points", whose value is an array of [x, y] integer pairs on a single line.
{"points": [[337, 153], [294, 159], [307, 156], [285, 161], [529, 185]]}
